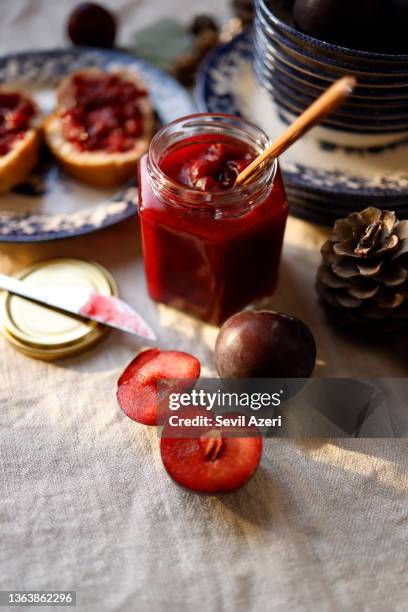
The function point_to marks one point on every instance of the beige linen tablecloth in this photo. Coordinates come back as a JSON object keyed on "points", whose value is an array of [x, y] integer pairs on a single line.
{"points": [[85, 503]]}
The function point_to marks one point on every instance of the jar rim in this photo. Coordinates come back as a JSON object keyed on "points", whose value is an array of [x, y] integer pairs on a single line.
{"points": [[211, 122]]}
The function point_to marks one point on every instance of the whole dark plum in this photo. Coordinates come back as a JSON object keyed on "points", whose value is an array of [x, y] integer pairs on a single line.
{"points": [[355, 24], [264, 344], [92, 25]]}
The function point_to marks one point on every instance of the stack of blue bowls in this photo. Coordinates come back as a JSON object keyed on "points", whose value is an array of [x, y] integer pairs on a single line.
{"points": [[295, 69]]}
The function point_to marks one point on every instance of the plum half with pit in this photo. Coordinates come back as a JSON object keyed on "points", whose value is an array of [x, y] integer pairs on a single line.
{"points": [[92, 25], [264, 344], [212, 460]]}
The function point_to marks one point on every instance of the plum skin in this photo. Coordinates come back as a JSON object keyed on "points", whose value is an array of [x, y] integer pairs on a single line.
{"points": [[90, 24], [264, 344]]}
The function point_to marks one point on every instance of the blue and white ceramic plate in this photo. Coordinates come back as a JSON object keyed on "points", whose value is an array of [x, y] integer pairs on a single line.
{"points": [[325, 212], [50, 205], [327, 162]]}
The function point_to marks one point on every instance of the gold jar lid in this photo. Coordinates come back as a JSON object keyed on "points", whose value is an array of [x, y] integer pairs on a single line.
{"points": [[43, 333]]}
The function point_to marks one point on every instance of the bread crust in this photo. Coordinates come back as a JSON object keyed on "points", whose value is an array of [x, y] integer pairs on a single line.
{"points": [[96, 168]]}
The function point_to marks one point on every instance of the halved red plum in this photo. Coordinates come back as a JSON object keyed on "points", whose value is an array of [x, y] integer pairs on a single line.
{"points": [[216, 166], [137, 393], [213, 460]]}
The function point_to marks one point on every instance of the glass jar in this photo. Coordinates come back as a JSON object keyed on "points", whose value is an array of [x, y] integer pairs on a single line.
{"points": [[210, 253]]}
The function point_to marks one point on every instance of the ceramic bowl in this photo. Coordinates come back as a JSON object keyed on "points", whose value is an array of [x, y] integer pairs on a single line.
{"points": [[280, 20], [294, 69]]}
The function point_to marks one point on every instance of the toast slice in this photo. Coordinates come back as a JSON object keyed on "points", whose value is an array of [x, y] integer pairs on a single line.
{"points": [[20, 137], [96, 137]]}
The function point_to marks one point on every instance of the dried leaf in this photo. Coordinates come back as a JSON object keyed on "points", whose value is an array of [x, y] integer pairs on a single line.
{"points": [[162, 42]]}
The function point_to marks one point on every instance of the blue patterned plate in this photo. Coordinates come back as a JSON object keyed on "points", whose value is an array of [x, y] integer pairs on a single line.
{"points": [[50, 205], [324, 161]]}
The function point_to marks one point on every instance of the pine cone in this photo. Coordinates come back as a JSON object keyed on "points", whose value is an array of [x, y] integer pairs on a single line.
{"points": [[363, 280]]}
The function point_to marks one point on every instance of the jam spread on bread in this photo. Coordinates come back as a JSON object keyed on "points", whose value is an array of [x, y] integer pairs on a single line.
{"points": [[16, 113], [105, 114]]}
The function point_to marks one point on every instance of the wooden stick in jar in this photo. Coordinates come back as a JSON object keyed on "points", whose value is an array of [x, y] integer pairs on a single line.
{"points": [[333, 97]]}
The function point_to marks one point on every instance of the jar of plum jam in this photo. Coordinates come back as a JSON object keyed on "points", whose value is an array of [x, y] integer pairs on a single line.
{"points": [[210, 248]]}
